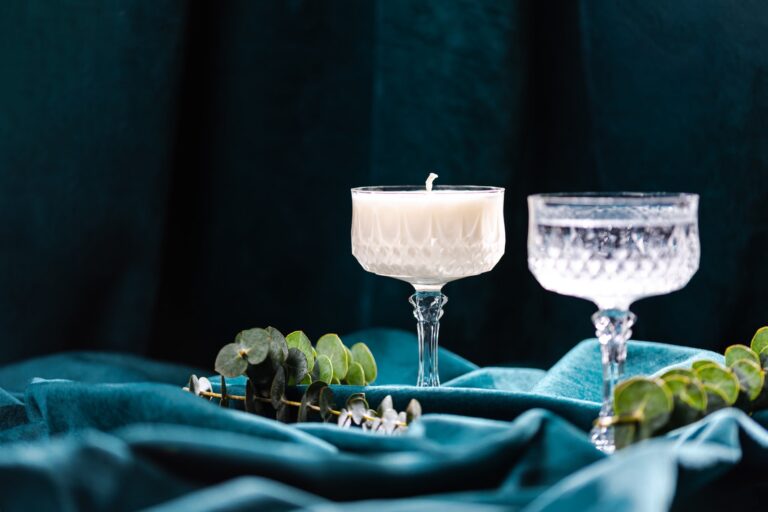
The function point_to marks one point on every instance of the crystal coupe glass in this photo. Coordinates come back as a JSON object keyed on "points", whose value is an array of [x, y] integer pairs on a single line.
{"points": [[428, 238], [613, 249]]}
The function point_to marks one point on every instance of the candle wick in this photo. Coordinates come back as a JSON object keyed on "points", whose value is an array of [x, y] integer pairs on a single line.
{"points": [[432, 177]]}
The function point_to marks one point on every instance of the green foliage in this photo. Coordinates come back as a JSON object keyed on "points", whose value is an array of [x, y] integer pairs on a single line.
{"points": [[273, 363], [330, 345], [644, 407], [646, 404]]}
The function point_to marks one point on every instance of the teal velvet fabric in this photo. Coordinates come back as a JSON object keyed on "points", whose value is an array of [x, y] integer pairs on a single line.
{"points": [[95, 431]]}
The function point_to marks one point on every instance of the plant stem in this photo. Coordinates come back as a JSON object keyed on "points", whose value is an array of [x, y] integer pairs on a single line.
{"points": [[211, 394]]}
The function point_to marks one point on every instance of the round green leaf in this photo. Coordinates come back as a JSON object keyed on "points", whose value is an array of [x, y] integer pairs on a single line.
{"points": [[355, 375], [716, 399], [678, 372], [251, 404], [277, 390], [718, 377], [335, 380], [764, 357], [738, 352], [254, 344], [362, 355], [687, 391], [230, 362], [760, 340], [299, 340], [278, 348], [306, 380], [311, 397], [323, 370], [326, 403], [331, 346], [295, 366], [751, 377], [702, 362], [647, 400]]}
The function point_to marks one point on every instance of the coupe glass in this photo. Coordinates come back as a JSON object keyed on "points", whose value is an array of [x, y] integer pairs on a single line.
{"points": [[613, 249], [428, 239]]}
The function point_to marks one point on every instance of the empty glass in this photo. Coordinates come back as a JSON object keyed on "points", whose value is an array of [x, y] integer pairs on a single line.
{"points": [[613, 249]]}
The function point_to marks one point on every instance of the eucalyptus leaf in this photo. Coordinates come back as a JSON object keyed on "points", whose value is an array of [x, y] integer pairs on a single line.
{"points": [[278, 348], [703, 362], [277, 390], [385, 404], [345, 419], [690, 400], [760, 340], [261, 374], [204, 385], [625, 434], [299, 340], [751, 377], [372, 424], [295, 366], [254, 344], [311, 397], [331, 346], [326, 403], [323, 370], [194, 385], [284, 413], [358, 408], [224, 402], [306, 380], [389, 421], [688, 391], [764, 357], [251, 404], [355, 375], [362, 355], [231, 361], [716, 398], [413, 411], [357, 396], [335, 380], [304, 408], [647, 400], [738, 352], [721, 378], [678, 372]]}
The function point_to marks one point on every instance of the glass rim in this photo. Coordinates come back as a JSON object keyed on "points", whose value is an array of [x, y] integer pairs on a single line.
{"points": [[399, 189], [609, 198]]}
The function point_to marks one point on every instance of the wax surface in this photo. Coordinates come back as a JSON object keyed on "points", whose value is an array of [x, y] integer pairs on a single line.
{"points": [[428, 238]]}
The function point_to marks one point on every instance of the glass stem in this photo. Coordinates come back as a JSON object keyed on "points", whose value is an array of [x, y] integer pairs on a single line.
{"points": [[428, 309], [613, 329]]}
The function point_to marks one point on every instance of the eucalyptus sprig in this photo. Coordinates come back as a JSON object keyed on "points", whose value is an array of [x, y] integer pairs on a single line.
{"points": [[272, 362], [648, 406]]}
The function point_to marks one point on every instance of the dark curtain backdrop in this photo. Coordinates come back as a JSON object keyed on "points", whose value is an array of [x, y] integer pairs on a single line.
{"points": [[172, 172]]}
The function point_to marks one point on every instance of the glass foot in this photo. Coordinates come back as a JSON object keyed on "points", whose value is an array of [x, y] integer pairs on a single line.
{"points": [[602, 439]]}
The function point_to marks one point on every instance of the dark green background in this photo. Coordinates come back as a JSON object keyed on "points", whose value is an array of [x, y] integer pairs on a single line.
{"points": [[172, 172]]}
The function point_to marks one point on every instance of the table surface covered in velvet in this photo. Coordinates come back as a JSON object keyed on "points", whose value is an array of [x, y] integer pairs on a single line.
{"points": [[97, 431]]}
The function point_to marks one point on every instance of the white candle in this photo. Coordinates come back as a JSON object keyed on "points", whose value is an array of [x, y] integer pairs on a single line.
{"points": [[428, 238]]}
